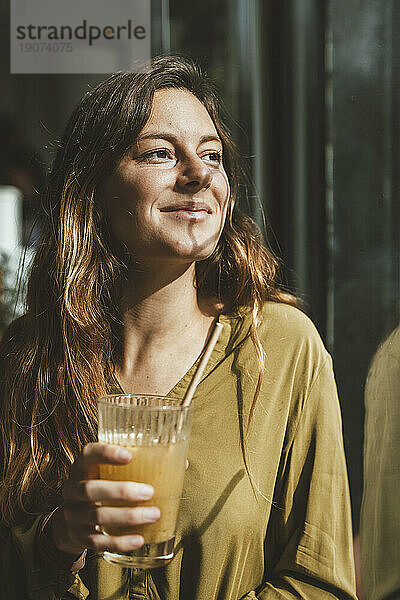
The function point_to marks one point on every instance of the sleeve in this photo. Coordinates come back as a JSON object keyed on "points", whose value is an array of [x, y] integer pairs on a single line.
{"points": [[309, 545], [380, 520], [32, 568]]}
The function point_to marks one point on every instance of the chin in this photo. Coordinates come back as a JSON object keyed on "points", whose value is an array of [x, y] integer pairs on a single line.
{"points": [[174, 251], [194, 251], [194, 256]]}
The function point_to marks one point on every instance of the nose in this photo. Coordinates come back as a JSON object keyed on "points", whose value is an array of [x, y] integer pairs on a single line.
{"points": [[194, 175]]}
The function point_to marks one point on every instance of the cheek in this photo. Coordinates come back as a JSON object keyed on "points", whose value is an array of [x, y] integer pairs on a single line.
{"points": [[126, 203], [143, 190], [222, 183], [223, 194]]}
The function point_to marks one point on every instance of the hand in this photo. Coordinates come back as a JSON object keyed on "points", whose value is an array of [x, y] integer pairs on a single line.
{"points": [[73, 526]]}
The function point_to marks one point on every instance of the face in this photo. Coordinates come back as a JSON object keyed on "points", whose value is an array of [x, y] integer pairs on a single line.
{"points": [[167, 199]]}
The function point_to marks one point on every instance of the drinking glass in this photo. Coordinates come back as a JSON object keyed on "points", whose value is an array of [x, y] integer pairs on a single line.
{"points": [[155, 429]]}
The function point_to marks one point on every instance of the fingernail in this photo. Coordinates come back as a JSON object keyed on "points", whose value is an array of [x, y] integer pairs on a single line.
{"points": [[136, 540], [123, 454], [151, 514], [145, 492]]}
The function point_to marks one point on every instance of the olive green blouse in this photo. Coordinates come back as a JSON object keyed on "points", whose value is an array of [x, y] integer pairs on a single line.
{"points": [[380, 511], [276, 528]]}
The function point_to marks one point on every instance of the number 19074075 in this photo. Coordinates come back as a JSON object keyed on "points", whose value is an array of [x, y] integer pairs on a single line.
{"points": [[46, 47]]}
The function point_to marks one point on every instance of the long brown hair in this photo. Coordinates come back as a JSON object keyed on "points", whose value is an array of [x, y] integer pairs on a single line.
{"points": [[60, 355]]}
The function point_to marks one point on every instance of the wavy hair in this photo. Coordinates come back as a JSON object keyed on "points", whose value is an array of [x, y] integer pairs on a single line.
{"points": [[60, 356]]}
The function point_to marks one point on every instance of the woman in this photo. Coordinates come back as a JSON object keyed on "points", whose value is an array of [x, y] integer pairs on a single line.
{"points": [[143, 249]]}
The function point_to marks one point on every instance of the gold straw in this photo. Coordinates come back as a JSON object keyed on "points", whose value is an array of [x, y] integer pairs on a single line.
{"points": [[202, 364]]}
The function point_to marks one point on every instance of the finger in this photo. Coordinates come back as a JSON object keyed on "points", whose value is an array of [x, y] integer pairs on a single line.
{"points": [[88, 537], [97, 490], [123, 543], [111, 516], [97, 453]]}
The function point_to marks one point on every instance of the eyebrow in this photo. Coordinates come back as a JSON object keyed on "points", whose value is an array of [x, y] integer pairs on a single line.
{"points": [[173, 139]]}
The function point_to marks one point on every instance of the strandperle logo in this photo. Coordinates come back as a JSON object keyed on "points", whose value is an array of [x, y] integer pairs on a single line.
{"points": [[89, 36], [81, 32]]}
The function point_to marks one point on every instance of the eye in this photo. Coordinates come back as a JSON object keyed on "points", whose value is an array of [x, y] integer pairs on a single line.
{"points": [[214, 157], [157, 156]]}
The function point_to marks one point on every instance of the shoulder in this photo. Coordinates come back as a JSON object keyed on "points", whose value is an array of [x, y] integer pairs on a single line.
{"points": [[280, 326], [298, 376], [382, 390], [291, 343], [288, 320], [290, 331], [389, 350]]}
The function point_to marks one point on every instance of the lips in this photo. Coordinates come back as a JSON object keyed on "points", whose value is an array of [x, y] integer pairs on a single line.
{"points": [[187, 206]]}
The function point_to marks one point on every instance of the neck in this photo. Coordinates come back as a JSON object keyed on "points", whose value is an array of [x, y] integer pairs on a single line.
{"points": [[155, 303], [165, 327], [160, 307]]}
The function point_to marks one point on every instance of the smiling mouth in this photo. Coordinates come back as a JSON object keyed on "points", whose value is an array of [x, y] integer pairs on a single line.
{"points": [[188, 207]]}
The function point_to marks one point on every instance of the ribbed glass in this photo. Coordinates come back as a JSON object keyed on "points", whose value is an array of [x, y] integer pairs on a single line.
{"points": [[156, 430], [138, 420]]}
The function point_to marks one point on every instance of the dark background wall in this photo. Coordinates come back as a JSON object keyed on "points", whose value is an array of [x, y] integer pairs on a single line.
{"points": [[364, 113]]}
